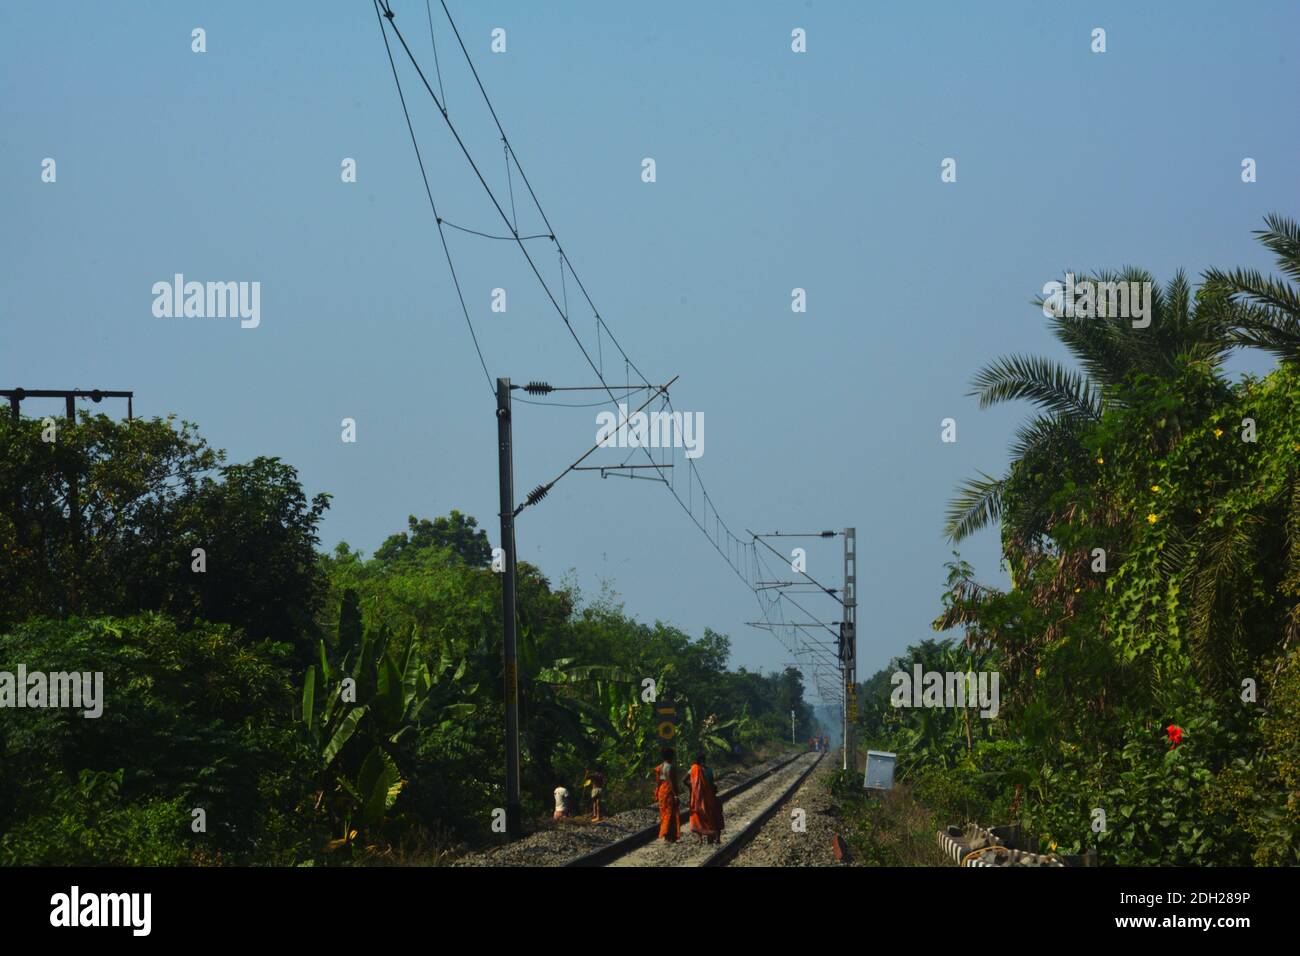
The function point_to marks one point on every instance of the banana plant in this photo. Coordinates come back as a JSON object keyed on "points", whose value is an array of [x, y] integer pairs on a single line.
{"points": [[711, 737], [376, 698], [584, 703]]}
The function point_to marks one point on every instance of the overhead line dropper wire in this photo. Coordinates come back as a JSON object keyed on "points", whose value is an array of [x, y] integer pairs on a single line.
{"points": [[505, 219]]}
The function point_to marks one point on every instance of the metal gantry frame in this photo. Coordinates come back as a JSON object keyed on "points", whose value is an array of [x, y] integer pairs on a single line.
{"points": [[16, 396], [849, 648], [835, 676]]}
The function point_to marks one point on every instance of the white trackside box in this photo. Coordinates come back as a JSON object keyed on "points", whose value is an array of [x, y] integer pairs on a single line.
{"points": [[880, 770]]}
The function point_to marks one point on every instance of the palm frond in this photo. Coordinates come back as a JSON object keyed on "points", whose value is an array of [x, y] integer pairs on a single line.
{"points": [[1046, 437], [1282, 237], [1258, 288], [1046, 383], [1293, 536], [1094, 345], [1212, 635], [1253, 325], [964, 604], [1263, 312], [977, 504]]}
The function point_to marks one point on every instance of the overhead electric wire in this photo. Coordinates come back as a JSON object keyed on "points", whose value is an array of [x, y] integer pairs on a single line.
{"points": [[546, 220], [810, 578], [529, 401], [524, 176], [774, 607], [511, 155], [433, 41], [541, 490], [475, 232], [390, 17], [432, 205]]}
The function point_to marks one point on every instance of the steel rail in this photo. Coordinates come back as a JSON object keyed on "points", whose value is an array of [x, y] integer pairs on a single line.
{"points": [[729, 850], [634, 841]]}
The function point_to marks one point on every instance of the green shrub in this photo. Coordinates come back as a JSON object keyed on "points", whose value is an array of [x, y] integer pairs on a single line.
{"points": [[88, 824], [194, 719]]}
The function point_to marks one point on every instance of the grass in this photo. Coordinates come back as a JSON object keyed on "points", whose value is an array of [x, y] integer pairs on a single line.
{"points": [[887, 828]]}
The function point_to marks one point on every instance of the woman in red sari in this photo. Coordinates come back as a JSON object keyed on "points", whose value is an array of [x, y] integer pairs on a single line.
{"points": [[706, 808], [666, 794]]}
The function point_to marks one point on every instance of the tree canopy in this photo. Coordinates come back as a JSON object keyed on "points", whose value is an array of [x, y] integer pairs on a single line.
{"points": [[1150, 524], [308, 706]]}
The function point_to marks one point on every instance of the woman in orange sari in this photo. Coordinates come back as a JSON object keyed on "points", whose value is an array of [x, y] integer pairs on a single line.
{"points": [[706, 808], [666, 794]]}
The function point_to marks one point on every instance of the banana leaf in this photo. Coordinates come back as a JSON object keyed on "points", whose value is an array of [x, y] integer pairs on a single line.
{"points": [[342, 734]]}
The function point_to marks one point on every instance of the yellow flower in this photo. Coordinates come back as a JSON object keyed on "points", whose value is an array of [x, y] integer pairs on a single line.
{"points": [[1077, 590], [1152, 519], [1218, 432], [1037, 671], [1198, 510], [1052, 846], [1101, 461], [1156, 489]]}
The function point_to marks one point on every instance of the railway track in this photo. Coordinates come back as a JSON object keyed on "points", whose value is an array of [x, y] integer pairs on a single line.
{"points": [[747, 806]]}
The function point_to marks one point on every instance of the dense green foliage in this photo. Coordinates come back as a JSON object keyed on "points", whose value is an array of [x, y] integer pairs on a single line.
{"points": [[284, 706], [1150, 524], [193, 718], [104, 519], [583, 669]]}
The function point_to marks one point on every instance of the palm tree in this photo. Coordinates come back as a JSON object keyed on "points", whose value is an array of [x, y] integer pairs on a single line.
{"points": [[1111, 352], [1241, 308], [1264, 312]]}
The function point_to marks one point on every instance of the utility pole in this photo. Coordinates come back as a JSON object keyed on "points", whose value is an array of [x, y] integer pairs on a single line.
{"points": [[509, 616], [792, 728], [849, 648], [514, 811]]}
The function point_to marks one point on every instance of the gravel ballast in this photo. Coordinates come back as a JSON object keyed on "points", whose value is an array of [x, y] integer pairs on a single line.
{"points": [[737, 813], [779, 844]]}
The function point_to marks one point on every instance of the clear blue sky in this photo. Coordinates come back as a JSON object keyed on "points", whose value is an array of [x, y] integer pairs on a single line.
{"points": [[775, 170]]}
